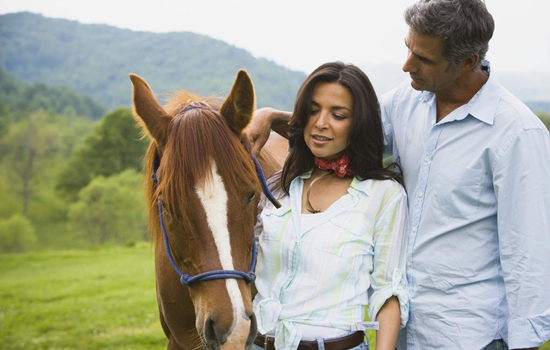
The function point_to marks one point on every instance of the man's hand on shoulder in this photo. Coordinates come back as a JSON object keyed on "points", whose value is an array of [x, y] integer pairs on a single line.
{"points": [[259, 128]]}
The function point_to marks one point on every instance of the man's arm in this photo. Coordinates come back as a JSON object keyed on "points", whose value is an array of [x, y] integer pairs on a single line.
{"points": [[521, 176], [263, 121]]}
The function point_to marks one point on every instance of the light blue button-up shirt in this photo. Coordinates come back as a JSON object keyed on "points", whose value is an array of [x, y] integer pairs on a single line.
{"points": [[478, 183]]}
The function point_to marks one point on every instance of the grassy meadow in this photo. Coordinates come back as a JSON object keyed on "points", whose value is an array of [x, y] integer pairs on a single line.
{"points": [[82, 299], [93, 299]]}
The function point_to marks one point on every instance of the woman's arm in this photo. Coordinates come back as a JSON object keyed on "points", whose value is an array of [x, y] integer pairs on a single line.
{"points": [[389, 304], [389, 318]]}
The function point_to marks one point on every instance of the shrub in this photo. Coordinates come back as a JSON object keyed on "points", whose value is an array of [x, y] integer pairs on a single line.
{"points": [[16, 234], [110, 210]]}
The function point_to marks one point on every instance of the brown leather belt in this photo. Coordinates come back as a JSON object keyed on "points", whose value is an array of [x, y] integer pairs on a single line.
{"points": [[343, 343]]}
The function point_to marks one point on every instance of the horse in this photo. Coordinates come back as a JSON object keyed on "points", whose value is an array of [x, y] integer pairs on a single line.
{"points": [[202, 189]]}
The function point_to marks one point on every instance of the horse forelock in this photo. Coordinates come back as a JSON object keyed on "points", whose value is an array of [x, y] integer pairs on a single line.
{"points": [[176, 102], [196, 140]]}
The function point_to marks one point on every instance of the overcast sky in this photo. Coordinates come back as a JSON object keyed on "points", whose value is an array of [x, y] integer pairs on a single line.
{"points": [[302, 34]]}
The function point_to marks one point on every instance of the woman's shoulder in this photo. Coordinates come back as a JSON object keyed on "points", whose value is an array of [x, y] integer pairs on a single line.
{"points": [[374, 187]]}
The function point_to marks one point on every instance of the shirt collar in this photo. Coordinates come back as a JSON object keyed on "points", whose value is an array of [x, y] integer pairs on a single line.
{"points": [[485, 103], [355, 186], [361, 186], [482, 106], [306, 175]]}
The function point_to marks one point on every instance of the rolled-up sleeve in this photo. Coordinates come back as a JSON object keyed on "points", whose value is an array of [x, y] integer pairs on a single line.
{"points": [[522, 187], [388, 275]]}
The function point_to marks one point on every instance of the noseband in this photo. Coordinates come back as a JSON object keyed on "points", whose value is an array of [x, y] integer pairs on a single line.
{"points": [[187, 279]]}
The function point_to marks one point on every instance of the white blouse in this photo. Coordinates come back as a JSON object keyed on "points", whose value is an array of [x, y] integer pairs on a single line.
{"points": [[324, 273]]}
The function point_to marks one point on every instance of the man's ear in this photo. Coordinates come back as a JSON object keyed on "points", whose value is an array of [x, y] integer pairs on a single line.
{"points": [[148, 111], [239, 105], [471, 62]]}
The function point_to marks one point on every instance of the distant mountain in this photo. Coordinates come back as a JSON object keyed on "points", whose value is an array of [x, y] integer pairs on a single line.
{"points": [[537, 106], [384, 77], [20, 98], [527, 86], [96, 60]]}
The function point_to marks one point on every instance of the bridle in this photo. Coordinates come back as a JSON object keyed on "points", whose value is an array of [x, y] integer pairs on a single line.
{"points": [[187, 279]]}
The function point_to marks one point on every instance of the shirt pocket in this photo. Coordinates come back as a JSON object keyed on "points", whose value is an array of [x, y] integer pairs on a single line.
{"points": [[273, 221], [346, 239], [457, 190]]}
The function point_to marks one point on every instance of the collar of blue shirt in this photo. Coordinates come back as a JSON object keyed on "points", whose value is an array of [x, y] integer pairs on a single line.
{"points": [[482, 106]]}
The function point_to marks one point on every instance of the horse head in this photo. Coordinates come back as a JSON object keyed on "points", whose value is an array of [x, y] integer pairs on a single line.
{"points": [[208, 190]]}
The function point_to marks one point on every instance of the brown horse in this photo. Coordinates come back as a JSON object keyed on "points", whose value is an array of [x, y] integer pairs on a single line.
{"points": [[208, 190]]}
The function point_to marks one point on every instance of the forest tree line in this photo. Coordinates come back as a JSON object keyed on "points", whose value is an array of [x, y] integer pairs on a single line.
{"points": [[67, 178]]}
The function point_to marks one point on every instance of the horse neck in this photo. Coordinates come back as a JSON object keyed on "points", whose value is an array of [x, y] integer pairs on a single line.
{"points": [[273, 154]]}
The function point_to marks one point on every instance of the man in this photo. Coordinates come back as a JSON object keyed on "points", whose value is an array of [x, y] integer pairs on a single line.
{"points": [[476, 164]]}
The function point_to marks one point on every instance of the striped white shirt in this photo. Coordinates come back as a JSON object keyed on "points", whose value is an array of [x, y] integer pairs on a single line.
{"points": [[326, 273]]}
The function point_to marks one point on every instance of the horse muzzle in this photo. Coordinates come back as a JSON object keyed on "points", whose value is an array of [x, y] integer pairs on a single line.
{"points": [[237, 335]]}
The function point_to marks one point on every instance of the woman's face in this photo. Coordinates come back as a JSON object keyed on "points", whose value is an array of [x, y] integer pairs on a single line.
{"points": [[327, 130]]}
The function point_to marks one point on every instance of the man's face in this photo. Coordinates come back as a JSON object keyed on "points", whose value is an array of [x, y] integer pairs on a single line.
{"points": [[428, 69]]}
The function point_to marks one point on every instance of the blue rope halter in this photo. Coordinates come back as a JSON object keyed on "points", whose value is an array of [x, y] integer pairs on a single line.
{"points": [[187, 279]]}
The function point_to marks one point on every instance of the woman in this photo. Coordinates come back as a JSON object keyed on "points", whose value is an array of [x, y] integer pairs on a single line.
{"points": [[340, 229]]}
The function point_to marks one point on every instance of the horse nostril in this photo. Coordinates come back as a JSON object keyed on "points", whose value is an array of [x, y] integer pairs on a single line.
{"points": [[216, 332], [253, 331], [212, 341]]}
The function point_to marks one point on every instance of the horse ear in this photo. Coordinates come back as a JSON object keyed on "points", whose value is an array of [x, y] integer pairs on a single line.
{"points": [[146, 108], [239, 105]]}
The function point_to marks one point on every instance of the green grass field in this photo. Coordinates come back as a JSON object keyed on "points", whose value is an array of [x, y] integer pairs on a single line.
{"points": [[93, 299], [97, 299]]}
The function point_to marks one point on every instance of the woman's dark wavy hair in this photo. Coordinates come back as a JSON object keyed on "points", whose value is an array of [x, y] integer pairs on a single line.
{"points": [[366, 140]]}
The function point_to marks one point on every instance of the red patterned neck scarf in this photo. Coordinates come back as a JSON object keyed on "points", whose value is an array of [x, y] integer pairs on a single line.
{"points": [[339, 166]]}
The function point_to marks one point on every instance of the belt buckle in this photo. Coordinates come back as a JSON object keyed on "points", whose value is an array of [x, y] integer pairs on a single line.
{"points": [[265, 341]]}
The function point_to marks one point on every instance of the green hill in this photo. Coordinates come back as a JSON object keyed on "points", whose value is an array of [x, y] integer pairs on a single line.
{"points": [[18, 99], [96, 60]]}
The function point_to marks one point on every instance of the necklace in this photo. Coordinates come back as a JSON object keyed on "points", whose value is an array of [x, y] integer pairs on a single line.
{"points": [[339, 167], [309, 207]]}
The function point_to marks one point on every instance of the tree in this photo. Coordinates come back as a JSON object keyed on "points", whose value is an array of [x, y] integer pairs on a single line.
{"points": [[110, 210], [30, 146], [545, 118], [16, 234], [113, 146], [4, 119]]}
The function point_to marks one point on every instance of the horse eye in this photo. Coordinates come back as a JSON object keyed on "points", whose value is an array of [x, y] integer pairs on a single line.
{"points": [[250, 197]]}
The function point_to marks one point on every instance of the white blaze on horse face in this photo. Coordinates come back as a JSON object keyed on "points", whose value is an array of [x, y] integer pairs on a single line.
{"points": [[213, 197]]}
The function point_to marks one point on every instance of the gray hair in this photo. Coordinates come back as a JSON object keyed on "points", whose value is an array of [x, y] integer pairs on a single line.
{"points": [[464, 25]]}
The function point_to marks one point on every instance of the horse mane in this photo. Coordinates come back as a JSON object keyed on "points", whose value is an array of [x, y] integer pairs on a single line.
{"points": [[195, 138]]}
